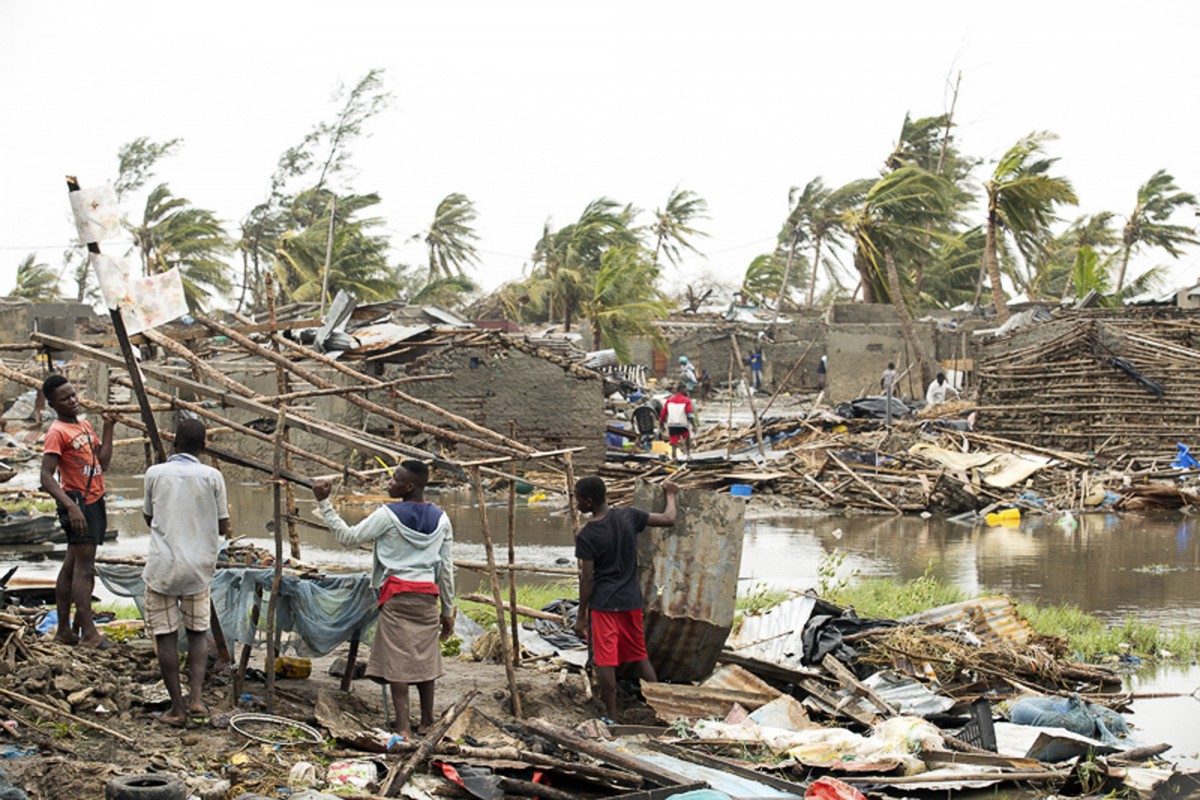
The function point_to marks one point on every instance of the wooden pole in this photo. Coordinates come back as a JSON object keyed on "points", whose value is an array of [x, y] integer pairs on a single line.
{"points": [[135, 373], [277, 578], [281, 386], [494, 580], [572, 508], [737, 352], [512, 551], [328, 260], [787, 377], [729, 430], [239, 675], [396, 780]]}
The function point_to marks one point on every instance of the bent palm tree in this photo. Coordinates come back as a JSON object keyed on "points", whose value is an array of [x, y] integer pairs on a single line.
{"points": [[174, 233], [624, 301], [1021, 197], [36, 282], [675, 223], [1157, 199], [897, 219], [451, 238]]}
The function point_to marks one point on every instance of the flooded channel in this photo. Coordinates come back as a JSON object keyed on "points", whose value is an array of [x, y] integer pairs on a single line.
{"points": [[1114, 567]]}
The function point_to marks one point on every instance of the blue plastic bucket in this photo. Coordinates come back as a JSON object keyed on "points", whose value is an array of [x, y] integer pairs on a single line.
{"points": [[740, 490]]}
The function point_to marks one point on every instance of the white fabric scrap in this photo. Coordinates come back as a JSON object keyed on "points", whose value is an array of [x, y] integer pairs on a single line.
{"points": [[97, 215]]}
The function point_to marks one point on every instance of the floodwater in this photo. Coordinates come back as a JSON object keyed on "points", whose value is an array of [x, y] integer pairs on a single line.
{"points": [[1114, 567]]}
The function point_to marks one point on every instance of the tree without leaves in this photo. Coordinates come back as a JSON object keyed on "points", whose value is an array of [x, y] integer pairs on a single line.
{"points": [[174, 233], [36, 281], [451, 238], [675, 224], [1149, 224], [1021, 198]]}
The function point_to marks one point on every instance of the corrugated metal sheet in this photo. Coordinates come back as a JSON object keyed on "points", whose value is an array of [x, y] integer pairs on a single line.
{"points": [[907, 695], [671, 702], [688, 576], [384, 336], [989, 618], [735, 786], [728, 676], [775, 636]]}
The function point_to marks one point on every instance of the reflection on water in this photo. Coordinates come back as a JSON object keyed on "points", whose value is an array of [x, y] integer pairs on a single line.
{"points": [[1145, 566]]}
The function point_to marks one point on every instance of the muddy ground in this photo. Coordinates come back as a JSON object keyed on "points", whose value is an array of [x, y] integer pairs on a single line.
{"points": [[73, 761]]}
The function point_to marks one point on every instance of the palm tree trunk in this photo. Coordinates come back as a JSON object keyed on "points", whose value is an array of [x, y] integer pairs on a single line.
{"points": [[1121, 273], [993, 267], [787, 271], [812, 278], [906, 326], [432, 265], [245, 279]]}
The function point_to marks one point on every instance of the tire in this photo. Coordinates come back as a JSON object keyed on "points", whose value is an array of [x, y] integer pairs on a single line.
{"points": [[145, 787]]}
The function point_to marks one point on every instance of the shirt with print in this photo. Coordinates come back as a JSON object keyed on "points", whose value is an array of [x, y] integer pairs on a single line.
{"points": [[186, 501], [676, 412], [78, 452], [611, 545]]}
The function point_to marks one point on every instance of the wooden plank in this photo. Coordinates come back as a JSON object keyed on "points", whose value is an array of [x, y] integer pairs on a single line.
{"points": [[849, 681], [607, 755]]}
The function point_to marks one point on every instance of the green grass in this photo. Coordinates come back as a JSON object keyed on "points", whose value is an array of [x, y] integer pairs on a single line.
{"points": [[122, 610], [1087, 638], [759, 599], [531, 595], [11, 504]]}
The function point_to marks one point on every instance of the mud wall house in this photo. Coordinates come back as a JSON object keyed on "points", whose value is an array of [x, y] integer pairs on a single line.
{"points": [[19, 318], [862, 339], [553, 402], [1121, 383]]}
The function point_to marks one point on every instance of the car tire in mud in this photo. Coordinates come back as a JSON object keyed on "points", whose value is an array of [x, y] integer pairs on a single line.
{"points": [[145, 787]]}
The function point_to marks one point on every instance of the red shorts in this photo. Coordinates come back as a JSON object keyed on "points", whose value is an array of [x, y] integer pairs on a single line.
{"points": [[678, 433], [617, 637]]}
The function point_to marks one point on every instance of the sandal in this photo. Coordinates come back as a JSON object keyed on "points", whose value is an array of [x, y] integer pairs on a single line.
{"points": [[200, 717], [160, 718]]}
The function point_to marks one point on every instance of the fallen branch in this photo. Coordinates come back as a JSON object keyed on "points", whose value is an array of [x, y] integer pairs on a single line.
{"points": [[66, 715]]}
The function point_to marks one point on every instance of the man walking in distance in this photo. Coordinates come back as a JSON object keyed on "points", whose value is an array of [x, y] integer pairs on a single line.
{"points": [[188, 513], [679, 418], [610, 596], [80, 459], [414, 568]]}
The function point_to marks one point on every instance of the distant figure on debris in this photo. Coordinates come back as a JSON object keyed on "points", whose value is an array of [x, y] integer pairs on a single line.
{"points": [[756, 369], [888, 379], [414, 568], [73, 451], [610, 596], [187, 510], [706, 385], [645, 424], [687, 373], [822, 368], [938, 390], [679, 418]]}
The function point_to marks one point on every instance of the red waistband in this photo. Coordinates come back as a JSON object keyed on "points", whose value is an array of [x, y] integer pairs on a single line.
{"points": [[394, 585]]}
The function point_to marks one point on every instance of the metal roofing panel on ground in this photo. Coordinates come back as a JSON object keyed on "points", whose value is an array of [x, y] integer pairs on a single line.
{"points": [[990, 618], [908, 695], [735, 786], [672, 702], [376, 338], [774, 636]]}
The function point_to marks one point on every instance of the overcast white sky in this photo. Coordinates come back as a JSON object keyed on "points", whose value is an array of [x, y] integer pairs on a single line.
{"points": [[532, 109]]}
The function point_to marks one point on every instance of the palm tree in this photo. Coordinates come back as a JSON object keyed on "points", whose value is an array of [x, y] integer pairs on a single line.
{"points": [[898, 219], [445, 292], [358, 261], [817, 215], [451, 238], [765, 275], [1157, 199], [174, 233], [674, 224], [36, 281], [567, 259], [1021, 196], [624, 301]]}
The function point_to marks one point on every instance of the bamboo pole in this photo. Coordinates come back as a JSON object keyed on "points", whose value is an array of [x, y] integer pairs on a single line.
{"points": [[572, 507], [509, 669], [786, 378], [729, 441]]}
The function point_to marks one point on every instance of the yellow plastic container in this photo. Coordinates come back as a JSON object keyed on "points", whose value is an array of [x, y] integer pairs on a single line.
{"points": [[296, 668], [1005, 517], [661, 448]]}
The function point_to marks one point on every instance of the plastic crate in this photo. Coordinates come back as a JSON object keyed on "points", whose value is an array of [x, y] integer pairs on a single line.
{"points": [[979, 730]]}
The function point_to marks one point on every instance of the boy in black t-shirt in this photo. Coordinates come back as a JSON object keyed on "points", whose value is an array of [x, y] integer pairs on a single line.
{"points": [[610, 598]]}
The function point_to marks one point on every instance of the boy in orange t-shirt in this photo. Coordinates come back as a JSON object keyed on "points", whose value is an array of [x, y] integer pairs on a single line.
{"points": [[73, 452]]}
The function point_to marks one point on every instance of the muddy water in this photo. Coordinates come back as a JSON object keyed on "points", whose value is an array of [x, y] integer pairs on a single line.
{"points": [[1114, 567]]}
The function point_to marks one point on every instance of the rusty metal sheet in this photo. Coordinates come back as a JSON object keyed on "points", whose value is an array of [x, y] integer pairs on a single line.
{"points": [[688, 575], [989, 618], [672, 702], [384, 336], [735, 678]]}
